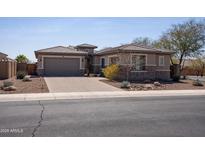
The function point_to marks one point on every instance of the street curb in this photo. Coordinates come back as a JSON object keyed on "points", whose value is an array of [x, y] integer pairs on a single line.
{"points": [[107, 94]]}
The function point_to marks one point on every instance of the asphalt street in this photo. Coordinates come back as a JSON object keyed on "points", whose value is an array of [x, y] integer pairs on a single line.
{"points": [[111, 117]]}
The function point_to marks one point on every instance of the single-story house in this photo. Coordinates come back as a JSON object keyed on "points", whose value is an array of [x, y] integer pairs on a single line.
{"points": [[136, 61], [3, 56], [7, 66]]}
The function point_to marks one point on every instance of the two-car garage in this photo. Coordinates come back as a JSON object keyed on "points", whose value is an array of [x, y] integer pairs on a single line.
{"points": [[61, 61], [62, 66]]}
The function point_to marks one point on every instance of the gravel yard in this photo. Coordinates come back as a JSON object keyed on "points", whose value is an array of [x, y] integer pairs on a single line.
{"points": [[37, 85], [181, 85]]}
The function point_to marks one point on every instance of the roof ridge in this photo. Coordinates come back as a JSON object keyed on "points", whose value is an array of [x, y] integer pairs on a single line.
{"points": [[3, 53], [66, 48], [137, 45], [86, 44], [151, 47], [143, 47], [51, 47]]}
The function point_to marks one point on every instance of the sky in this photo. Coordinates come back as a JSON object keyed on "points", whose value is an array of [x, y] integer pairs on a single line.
{"points": [[25, 35]]}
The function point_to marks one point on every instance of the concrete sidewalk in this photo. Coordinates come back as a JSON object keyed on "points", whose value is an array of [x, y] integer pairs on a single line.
{"points": [[107, 94]]}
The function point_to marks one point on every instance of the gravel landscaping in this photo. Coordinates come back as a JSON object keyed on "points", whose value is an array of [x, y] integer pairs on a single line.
{"points": [[182, 85], [36, 85]]}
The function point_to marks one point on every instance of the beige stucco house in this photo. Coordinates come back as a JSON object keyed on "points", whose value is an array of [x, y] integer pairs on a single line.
{"points": [[3, 56], [8, 66], [137, 62]]}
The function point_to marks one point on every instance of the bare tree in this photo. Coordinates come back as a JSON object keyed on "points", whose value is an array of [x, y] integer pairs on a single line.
{"points": [[146, 41], [198, 66], [186, 39]]}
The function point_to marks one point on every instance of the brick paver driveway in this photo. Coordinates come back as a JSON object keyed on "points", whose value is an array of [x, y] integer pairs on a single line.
{"points": [[77, 84]]}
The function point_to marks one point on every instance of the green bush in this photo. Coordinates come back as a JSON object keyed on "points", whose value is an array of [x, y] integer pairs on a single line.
{"points": [[21, 74], [111, 71], [102, 74]]}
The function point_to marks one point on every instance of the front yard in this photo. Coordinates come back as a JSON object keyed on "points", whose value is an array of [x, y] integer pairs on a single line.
{"points": [[181, 85], [36, 85]]}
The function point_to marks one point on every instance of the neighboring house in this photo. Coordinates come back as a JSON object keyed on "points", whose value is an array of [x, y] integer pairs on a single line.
{"points": [[138, 62], [3, 56], [7, 66]]}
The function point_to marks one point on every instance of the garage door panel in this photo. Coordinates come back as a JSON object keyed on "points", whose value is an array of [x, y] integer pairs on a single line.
{"points": [[62, 66]]}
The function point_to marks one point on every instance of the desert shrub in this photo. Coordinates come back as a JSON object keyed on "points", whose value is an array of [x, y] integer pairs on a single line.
{"points": [[10, 88], [125, 84], [21, 74], [156, 83], [111, 71], [197, 83], [26, 79], [8, 83]]}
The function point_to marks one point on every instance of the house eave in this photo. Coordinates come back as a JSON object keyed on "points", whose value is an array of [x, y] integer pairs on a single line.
{"points": [[58, 53], [133, 51]]}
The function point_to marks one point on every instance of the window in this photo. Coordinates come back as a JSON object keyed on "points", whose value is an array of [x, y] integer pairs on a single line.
{"points": [[87, 50], [113, 60], [161, 60], [139, 62], [102, 62]]}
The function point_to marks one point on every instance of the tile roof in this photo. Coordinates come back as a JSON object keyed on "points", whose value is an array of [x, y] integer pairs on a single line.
{"points": [[60, 50], [3, 54], [133, 47], [4, 57], [86, 45]]}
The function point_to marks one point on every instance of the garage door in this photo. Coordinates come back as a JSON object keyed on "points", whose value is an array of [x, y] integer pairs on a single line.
{"points": [[62, 66]]}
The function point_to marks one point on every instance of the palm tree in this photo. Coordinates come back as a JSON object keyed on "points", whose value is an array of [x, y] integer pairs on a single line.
{"points": [[22, 59]]}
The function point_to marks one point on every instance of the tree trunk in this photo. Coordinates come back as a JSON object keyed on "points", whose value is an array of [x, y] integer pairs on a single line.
{"points": [[171, 60], [176, 72]]}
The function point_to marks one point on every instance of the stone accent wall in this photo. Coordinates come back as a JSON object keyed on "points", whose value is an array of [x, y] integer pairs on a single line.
{"points": [[136, 76], [149, 74], [163, 75]]}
